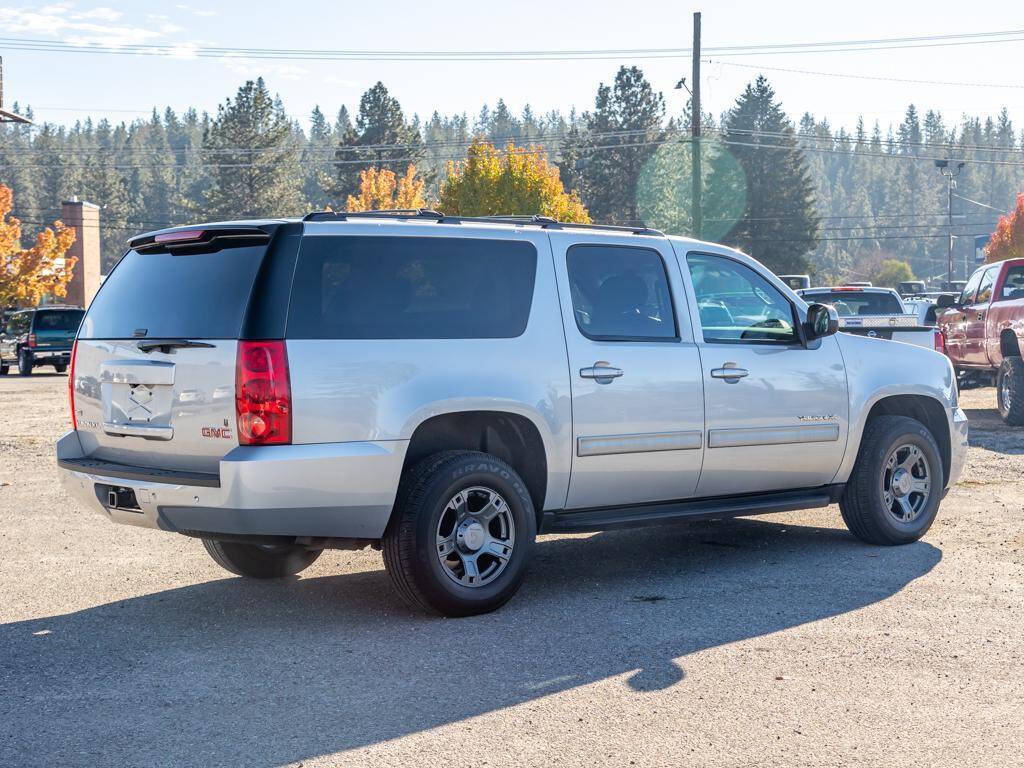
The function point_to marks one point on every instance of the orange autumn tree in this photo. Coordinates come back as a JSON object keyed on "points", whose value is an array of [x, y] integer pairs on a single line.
{"points": [[381, 190], [1008, 240], [517, 180], [26, 276]]}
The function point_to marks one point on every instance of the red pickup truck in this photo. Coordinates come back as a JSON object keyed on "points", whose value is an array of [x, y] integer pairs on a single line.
{"points": [[984, 330]]}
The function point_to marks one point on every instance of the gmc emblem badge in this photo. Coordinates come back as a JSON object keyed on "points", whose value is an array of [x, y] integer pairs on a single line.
{"points": [[222, 432]]}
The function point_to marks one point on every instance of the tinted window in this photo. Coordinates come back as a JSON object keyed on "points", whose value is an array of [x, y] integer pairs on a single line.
{"points": [[195, 296], [735, 303], [1013, 285], [411, 288], [854, 303], [967, 295], [620, 294], [58, 320]]}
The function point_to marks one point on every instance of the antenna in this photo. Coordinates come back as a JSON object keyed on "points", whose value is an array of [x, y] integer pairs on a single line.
{"points": [[5, 116]]}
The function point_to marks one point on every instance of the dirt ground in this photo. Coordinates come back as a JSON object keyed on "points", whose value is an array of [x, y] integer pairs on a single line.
{"points": [[775, 641]]}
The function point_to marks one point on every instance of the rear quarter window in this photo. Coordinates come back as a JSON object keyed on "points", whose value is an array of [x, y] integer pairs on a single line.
{"points": [[356, 287]]}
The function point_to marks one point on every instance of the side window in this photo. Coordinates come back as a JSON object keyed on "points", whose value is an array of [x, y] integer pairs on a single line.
{"points": [[620, 293], [381, 287], [985, 286], [967, 295], [736, 304], [1013, 285]]}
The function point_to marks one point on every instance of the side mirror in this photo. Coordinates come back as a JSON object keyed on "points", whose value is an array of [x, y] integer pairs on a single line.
{"points": [[822, 320], [946, 301]]}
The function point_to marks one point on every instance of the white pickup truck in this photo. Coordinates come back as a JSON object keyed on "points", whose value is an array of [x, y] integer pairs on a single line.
{"points": [[876, 312]]}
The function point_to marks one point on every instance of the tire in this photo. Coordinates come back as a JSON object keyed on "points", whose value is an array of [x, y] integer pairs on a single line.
{"points": [[442, 497], [864, 503], [4, 368], [1010, 390], [60, 367], [258, 561], [24, 363]]}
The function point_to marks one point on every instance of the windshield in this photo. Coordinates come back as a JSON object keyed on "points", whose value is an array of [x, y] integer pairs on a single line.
{"points": [[857, 303]]}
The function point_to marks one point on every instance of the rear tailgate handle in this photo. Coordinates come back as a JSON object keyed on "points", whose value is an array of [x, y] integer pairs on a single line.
{"points": [[138, 430], [152, 372]]}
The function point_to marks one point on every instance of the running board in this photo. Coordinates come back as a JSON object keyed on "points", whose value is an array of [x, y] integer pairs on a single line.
{"points": [[604, 518]]}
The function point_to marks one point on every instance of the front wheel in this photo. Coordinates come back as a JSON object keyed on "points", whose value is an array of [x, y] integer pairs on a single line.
{"points": [[261, 561], [1010, 390], [893, 493], [461, 535]]}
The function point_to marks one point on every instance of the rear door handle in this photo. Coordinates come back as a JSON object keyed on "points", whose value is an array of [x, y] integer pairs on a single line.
{"points": [[981, 315], [729, 372], [601, 370]]}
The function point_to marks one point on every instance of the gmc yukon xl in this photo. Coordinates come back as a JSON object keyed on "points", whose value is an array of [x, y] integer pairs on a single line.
{"points": [[447, 388]]}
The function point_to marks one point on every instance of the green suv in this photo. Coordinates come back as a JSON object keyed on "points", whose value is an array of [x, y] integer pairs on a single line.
{"points": [[40, 336]]}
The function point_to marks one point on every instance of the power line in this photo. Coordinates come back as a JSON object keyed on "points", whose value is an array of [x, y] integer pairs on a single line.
{"points": [[878, 78], [184, 50]]}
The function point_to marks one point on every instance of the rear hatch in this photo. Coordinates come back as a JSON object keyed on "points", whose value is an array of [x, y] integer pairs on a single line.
{"points": [[54, 329], [154, 367]]}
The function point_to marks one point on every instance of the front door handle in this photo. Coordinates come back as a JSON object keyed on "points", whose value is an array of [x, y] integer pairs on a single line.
{"points": [[602, 371], [729, 372]]}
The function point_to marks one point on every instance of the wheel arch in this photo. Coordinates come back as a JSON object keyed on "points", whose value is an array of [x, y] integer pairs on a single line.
{"points": [[925, 409], [1009, 344], [512, 437]]}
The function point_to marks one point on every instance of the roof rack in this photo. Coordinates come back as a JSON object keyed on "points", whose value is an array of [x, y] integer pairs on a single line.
{"points": [[536, 220]]}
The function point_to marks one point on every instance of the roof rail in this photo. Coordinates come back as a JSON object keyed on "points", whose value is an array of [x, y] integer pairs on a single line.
{"points": [[400, 213], [544, 222]]}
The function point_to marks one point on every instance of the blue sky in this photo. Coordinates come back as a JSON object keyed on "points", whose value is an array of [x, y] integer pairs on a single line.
{"points": [[65, 86]]}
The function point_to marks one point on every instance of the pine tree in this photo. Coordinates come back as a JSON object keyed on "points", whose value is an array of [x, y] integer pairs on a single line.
{"points": [[252, 158], [622, 133], [779, 225], [381, 138]]}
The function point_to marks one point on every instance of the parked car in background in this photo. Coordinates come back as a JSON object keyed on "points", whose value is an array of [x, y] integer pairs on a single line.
{"points": [[41, 336], [875, 312], [983, 328], [796, 282], [444, 388], [912, 288]]}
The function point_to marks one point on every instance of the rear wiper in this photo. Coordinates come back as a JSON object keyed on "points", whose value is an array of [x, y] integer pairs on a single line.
{"points": [[166, 345]]}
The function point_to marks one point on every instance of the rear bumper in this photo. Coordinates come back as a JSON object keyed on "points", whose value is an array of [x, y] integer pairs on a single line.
{"points": [[50, 356], [343, 490]]}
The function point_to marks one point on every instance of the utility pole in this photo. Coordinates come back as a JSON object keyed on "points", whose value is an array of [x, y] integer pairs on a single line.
{"points": [[698, 217], [950, 174]]}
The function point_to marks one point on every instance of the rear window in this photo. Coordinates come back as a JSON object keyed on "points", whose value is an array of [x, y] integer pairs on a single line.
{"points": [[58, 320], [353, 287], [856, 303], [165, 295]]}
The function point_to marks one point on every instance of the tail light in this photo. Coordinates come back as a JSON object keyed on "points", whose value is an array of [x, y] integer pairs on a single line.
{"points": [[71, 385], [939, 341], [263, 398], [31, 339]]}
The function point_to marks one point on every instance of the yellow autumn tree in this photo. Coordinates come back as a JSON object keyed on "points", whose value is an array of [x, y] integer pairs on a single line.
{"points": [[518, 180], [381, 190], [26, 276]]}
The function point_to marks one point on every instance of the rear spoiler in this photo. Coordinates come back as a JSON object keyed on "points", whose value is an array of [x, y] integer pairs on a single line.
{"points": [[199, 239]]}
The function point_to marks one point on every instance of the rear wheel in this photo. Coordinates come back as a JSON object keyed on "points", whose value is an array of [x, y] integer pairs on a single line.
{"points": [[60, 367], [4, 368], [261, 561], [25, 362], [461, 535], [893, 493], [1010, 390]]}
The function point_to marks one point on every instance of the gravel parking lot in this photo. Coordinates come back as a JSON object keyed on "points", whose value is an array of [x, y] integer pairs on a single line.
{"points": [[777, 640]]}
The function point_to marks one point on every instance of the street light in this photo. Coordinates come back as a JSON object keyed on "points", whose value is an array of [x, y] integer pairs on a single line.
{"points": [[946, 170]]}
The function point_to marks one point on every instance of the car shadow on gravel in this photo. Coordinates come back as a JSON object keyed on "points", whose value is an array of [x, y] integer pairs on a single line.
{"points": [[988, 431], [242, 673]]}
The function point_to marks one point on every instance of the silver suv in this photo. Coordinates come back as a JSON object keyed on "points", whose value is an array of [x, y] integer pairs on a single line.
{"points": [[446, 388]]}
